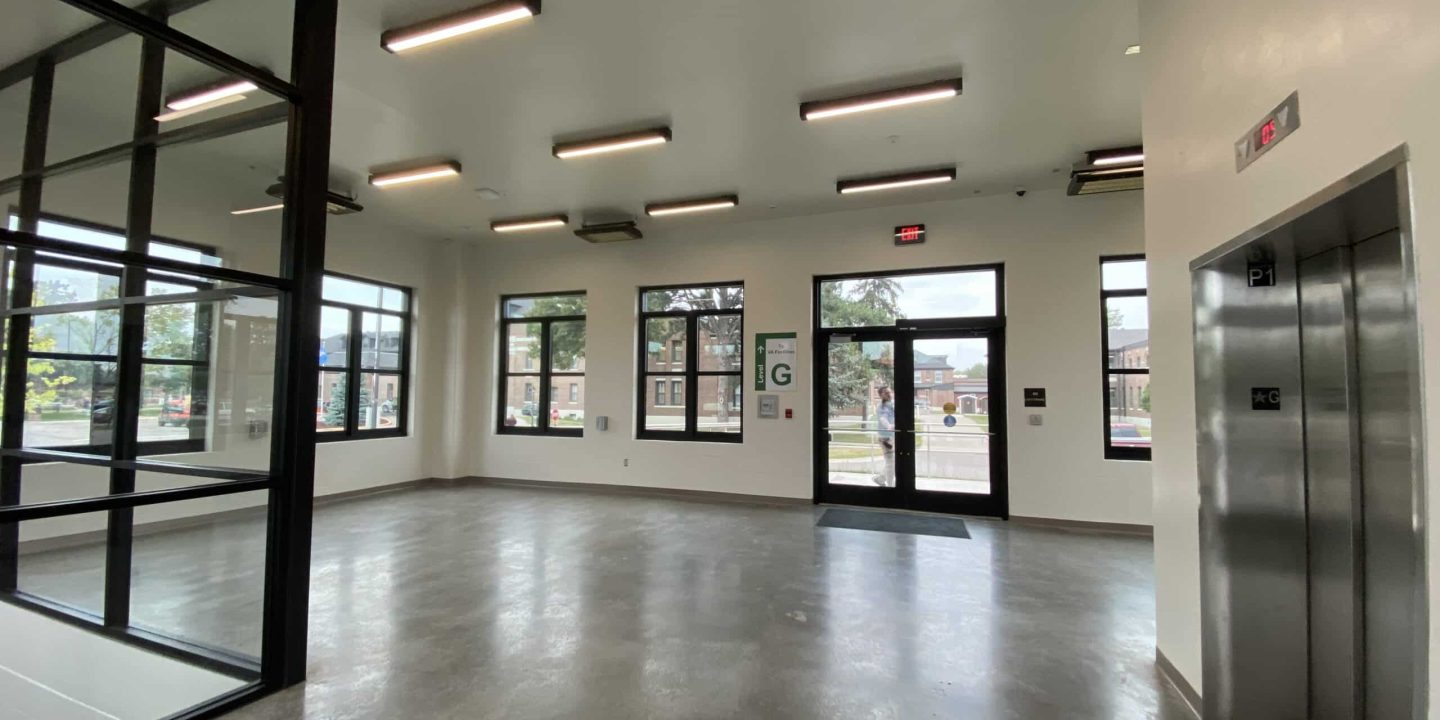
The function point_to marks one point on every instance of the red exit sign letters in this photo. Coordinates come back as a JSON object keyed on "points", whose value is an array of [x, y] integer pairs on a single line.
{"points": [[909, 234]]}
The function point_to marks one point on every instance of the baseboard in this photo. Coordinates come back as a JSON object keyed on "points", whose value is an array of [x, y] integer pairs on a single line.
{"points": [[1104, 527], [1172, 675], [91, 537], [673, 493]]}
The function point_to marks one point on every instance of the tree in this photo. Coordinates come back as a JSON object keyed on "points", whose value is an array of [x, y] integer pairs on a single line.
{"points": [[864, 303], [978, 370], [335, 409], [1145, 399], [1113, 317]]}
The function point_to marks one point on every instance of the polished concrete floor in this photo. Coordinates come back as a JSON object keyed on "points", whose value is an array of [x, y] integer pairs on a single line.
{"points": [[504, 602]]}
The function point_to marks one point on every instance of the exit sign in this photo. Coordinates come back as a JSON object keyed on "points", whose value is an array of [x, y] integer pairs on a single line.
{"points": [[909, 234]]}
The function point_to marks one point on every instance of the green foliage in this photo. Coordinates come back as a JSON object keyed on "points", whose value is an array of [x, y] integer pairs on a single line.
{"points": [[978, 370], [335, 409], [1145, 399], [867, 303], [1113, 317]]}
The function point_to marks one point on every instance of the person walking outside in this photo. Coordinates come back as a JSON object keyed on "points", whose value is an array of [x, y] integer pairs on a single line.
{"points": [[885, 422]]}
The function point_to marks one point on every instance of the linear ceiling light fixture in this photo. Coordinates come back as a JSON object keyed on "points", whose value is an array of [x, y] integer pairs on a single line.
{"points": [[895, 182], [399, 40], [205, 98], [821, 109], [544, 222], [615, 143], [1110, 170], [449, 168], [261, 209], [683, 207]]}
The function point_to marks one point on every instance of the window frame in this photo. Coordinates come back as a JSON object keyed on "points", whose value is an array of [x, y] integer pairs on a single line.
{"points": [[1112, 452], [689, 377], [355, 360], [204, 328], [545, 376]]}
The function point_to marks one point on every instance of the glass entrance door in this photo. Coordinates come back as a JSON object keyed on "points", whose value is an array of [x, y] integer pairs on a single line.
{"points": [[914, 419], [953, 449]]}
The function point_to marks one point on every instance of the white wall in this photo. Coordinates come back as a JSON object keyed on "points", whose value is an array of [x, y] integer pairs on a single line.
{"points": [[1050, 245], [1369, 80]]}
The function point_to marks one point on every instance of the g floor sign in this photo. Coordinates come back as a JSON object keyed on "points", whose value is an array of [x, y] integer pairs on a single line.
{"points": [[775, 355]]}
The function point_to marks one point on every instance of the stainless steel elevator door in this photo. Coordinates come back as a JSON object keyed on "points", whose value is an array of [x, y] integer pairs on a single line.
{"points": [[1395, 642], [1333, 503]]}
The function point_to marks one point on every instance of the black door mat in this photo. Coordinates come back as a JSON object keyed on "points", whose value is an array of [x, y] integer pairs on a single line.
{"points": [[894, 523]]}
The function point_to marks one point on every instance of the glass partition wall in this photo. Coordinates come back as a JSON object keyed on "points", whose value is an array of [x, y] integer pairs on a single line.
{"points": [[157, 426]]}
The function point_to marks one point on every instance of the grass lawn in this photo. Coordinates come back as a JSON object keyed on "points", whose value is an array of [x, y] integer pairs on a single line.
{"points": [[981, 420], [851, 453]]}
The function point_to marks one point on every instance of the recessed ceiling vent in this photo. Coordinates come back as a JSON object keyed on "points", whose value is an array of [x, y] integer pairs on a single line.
{"points": [[610, 232], [335, 203], [1111, 170]]}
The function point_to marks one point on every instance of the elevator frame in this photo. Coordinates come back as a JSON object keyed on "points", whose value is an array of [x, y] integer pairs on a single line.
{"points": [[1394, 162]]}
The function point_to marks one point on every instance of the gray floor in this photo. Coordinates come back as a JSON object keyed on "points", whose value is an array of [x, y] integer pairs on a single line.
{"points": [[494, 602]]}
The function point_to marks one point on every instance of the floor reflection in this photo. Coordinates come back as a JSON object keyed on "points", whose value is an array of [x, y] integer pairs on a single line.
{"points": [[493, 602]]}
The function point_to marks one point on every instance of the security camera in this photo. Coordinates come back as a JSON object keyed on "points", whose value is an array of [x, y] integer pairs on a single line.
{"points": [[1020, 192]]}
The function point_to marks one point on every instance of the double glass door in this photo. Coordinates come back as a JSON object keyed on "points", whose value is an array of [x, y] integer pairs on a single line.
{"points": [[914, 418]]}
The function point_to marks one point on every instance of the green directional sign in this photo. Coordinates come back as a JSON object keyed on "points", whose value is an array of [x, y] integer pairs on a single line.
{"points": [[775, 356]]}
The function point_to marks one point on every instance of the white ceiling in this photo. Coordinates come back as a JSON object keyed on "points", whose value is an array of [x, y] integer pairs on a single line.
{"points": [[1045, 80]]}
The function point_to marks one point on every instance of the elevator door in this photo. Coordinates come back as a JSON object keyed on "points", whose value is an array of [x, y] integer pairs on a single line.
{"points": [[1306, 353]]}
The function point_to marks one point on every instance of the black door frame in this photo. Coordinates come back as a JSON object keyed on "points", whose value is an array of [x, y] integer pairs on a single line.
{"points": [[902, 334]]}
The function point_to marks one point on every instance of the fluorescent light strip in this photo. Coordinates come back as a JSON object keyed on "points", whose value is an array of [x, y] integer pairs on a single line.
{"points": [[822, 109], [850, 187], [462, 23], [658, 136], [428, 172], [263, 208], [1132, 50], [1113, 171], [1120, 159], [177, 114], [691, 206], [522, 225], [210, 95]]}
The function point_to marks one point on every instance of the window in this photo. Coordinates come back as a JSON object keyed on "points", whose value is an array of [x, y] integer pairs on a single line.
{"points": [[542, 345], [74, 356], [1125, 325], [691, 363], [364, 359]]}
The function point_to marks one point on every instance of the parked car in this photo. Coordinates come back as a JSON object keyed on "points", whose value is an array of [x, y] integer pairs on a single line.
{"points": [[103, 412], [528, 409], [1127, 435], [174, 414]]}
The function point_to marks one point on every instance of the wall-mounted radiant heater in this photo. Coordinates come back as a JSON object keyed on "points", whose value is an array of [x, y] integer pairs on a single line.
{"points": [[610, 232], [335, 203], [1110, 170]]}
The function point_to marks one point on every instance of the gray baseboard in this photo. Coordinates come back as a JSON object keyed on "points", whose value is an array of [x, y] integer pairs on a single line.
{"points": [[92, 537], [1104, 527], [673, 493], [1172, 675]]}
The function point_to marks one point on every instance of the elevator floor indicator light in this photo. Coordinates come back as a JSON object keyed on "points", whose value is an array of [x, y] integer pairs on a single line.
{"points": [[1268, 133]]}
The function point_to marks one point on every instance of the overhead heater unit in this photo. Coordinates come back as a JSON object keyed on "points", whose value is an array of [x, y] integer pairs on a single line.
{"points": [[610, 232], [335, 203], [1109, 171]]}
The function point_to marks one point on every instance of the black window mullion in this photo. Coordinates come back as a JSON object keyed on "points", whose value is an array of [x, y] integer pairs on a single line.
{"points": [[543, 409], [353, 364], [692, 336]]}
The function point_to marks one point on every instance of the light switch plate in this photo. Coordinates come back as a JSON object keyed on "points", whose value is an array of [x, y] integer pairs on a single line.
{"points": [[1037, 419]]}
